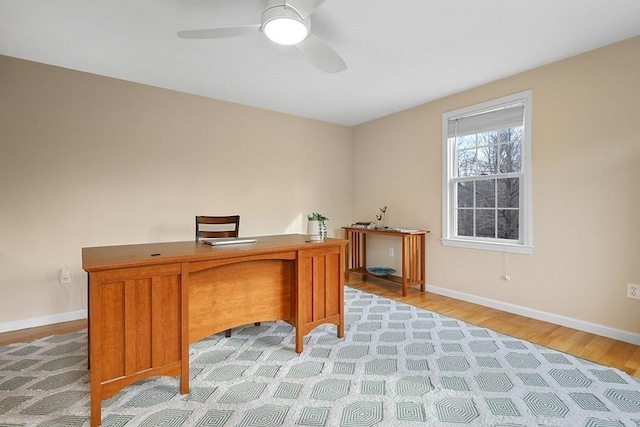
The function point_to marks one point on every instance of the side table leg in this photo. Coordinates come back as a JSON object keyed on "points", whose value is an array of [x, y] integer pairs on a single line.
{"points": [[423, 261], [350, 248], [405, 266]]}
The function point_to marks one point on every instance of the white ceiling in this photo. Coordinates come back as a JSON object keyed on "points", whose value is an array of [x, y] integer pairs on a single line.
{"points": [[399, 54]]}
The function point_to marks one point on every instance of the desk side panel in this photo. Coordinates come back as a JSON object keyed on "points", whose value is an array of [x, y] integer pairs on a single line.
{"points": [[320, 287], [166, 320], [134, 322]]}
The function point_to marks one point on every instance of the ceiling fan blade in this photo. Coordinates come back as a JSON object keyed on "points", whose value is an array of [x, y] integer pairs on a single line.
{"points": [[321, 55], [220, 33], [305, 7]]}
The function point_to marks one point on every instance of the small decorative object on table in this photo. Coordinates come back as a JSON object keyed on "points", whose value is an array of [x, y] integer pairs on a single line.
{"points": [[381, 271], [362, 224], [317, 228], [380, 218]]}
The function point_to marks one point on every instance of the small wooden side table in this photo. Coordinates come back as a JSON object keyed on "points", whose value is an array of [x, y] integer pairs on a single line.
{"points": [[413, 255]]}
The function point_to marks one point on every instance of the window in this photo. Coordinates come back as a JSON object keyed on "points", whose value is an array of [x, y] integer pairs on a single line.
{"points": [[487, 175]]}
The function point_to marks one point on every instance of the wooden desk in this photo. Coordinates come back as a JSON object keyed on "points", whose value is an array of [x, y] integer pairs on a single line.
{"points": [[148, 302], [413, 255]]}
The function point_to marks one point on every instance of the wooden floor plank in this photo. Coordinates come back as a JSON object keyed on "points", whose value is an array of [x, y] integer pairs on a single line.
{"points": [[25, 335]]}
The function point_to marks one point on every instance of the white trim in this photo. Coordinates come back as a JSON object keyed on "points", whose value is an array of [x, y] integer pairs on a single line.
{"points": [[581, 325], [489, 246], [42, 321]]}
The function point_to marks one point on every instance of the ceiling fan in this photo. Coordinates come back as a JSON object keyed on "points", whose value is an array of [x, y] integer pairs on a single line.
{"points": [[286, 22]]}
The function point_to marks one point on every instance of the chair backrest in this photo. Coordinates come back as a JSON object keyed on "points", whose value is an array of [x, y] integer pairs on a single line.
{"points": [[217, 226]]}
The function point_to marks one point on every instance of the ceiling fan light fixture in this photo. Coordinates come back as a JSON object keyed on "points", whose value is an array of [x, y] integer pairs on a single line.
{"points": [[284, 26]]}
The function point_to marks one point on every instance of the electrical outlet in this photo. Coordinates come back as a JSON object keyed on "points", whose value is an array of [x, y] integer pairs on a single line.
{"points": [[391, 252], [633, 290], [65, 276]]}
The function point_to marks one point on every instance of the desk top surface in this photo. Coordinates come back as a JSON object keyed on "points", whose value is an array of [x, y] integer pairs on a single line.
{"points": [[108, 257]]}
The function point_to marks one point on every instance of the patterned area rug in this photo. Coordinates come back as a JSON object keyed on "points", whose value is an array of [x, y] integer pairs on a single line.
{"points": [[398, 366]]}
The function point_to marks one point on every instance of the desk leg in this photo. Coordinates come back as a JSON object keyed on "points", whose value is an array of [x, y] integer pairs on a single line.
{"points": [[184, 328], [96, 411], [95, 348], [88, 322], [299, 341], [343, 255]]}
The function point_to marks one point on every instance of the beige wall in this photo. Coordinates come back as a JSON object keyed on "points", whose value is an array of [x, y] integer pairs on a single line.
{"points": [[90, 161], [586, 189], [87, 160]]}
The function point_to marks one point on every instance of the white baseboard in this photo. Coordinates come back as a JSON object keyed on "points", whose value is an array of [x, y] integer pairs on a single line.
{"points": [[42, 321], [581, 325]]}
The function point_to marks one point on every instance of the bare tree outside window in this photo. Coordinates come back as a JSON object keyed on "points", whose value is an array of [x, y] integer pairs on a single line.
{"points": [[487, 203]]}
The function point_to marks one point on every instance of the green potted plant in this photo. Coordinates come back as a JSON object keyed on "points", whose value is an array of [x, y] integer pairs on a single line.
{"points": [[317, 228]]}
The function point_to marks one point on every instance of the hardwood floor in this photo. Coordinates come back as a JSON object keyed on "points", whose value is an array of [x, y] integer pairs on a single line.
{"points": [[605, 351], [25, 335]]}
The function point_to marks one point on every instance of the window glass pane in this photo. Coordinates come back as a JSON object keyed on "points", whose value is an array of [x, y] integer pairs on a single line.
{"points": [[467, 141], [508, 225], [510, 157], [465, 222], [467, 162], [509, 193], [487, 160], [486, 193], [487, 138], [465, 194], [486, 223], [510, 134]]}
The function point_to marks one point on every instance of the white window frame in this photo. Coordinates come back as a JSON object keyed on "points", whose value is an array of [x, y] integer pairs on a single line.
{"points": [[449, 226]]}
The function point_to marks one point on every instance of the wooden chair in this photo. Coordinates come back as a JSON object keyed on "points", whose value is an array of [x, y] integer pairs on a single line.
{"points": [[211, 227], [217, 226]]}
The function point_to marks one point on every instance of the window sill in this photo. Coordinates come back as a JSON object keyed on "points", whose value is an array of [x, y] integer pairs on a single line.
{"points": [[489, 246]]}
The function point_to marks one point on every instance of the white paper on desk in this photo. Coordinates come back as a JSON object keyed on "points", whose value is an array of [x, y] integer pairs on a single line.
{"points": [[228, 241]]}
